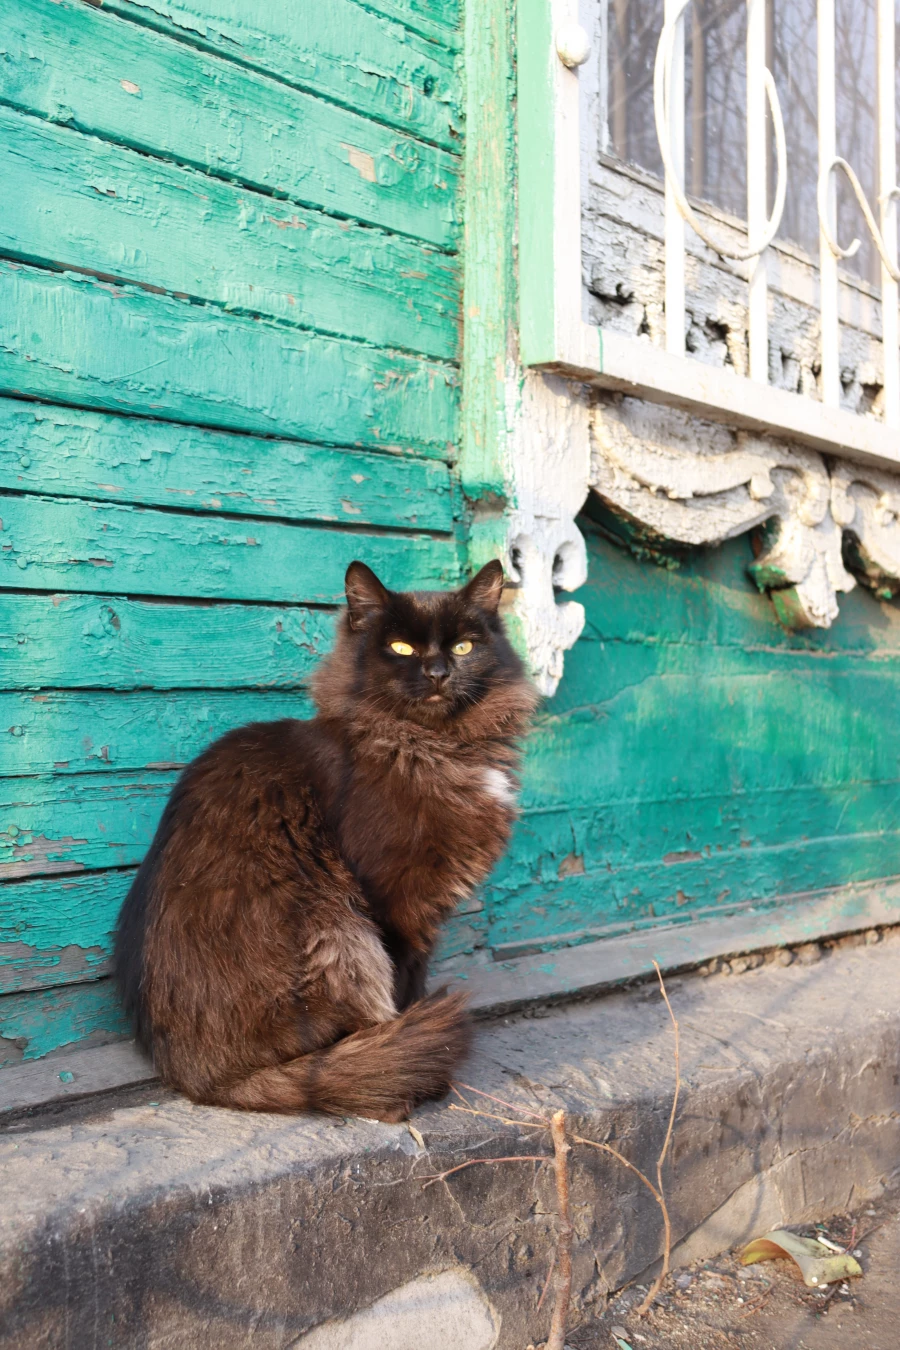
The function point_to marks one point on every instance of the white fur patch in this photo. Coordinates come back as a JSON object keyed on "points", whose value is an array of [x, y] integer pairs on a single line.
{"points": [[498, 786]]}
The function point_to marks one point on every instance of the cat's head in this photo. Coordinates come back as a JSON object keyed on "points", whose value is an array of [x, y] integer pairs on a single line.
{"points": [[425, 656]]}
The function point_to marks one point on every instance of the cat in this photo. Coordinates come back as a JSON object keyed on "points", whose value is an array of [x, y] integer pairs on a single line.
{"points": [[273, 948]]}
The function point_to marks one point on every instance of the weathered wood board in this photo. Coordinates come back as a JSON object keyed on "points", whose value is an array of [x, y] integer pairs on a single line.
{"points": [[342, 50], [103, 730], [49, 544], [84, 67], [36, 1022], [76, 641], [77, 202], [72, 453], [75, 340]]}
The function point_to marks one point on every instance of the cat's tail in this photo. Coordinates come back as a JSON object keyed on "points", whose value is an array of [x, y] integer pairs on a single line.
{"points": [[381, 1072]]}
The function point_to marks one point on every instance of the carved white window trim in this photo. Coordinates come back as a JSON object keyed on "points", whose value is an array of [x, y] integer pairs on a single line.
{"points": [[773, 469]]}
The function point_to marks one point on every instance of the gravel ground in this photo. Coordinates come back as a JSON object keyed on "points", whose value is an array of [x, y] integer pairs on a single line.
{"points": [[720, 1304]]}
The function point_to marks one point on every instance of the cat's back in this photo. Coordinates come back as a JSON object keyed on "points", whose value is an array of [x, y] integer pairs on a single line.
{"points": [[230, 804]]}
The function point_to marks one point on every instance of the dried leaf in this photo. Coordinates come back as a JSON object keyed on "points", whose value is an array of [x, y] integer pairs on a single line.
{"points": [[816, 1263], [415, 1134]]}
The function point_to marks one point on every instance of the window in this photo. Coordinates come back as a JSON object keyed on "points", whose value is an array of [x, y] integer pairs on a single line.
{"points": [[715, 107]]}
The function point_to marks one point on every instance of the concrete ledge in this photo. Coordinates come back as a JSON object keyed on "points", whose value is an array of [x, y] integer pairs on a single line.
{"points": [[155, 1222]]}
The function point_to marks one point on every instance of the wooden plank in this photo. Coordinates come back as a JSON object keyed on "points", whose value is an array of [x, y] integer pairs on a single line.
{"points": [[80, 1073], [59, 931], [101, 731], [340, 50], [78, 822], [439, 20], [34, 1023], [78, 641], [78, 202], [581, 874], [73, 63], [75, 340], [587, 969], [60, 544], [68, 452]]}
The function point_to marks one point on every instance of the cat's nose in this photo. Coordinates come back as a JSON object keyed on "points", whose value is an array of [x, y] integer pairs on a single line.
{"points": [[436, 668]]}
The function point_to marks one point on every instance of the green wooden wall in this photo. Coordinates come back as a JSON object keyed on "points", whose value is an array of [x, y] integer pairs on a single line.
{"points": [[229, 356], [231, 261], [698, 757]]}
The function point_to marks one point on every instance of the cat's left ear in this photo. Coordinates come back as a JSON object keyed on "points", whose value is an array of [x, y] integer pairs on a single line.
{"points": [[365, 593], [485, 588]]}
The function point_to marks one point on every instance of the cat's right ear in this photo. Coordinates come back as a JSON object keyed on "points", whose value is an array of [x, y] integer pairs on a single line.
{"points": [[365, 594]]}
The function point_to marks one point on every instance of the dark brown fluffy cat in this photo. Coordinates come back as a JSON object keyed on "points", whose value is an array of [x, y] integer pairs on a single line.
{"points": [[272, 950]]}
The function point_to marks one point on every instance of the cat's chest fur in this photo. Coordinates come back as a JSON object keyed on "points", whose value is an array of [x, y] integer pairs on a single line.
{"points": [[423, 824]]}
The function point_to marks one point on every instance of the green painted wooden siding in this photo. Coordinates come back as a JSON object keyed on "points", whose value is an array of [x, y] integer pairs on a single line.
{"points": [[697, 757], [229, 346], [231, 260]]}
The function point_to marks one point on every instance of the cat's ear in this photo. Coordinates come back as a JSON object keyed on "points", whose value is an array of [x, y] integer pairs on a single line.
{"points": [[365, 593], [485, 588]]}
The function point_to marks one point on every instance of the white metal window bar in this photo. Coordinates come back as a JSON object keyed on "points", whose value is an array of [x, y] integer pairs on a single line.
{"points": [[669, 114], [553, 332]]}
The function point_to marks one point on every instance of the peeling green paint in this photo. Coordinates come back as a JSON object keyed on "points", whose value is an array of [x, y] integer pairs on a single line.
{"points": [[115, 212], [340, 50], [230, 294], [48, 544], [34, 1023], [488, 276], [71, 641], [90, 343], [100, 731], [71, 453], [65, 62]]}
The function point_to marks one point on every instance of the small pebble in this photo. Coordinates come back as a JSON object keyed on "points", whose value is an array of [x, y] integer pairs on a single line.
{"points": [[783, 957], [872, 937], [809, 954]]}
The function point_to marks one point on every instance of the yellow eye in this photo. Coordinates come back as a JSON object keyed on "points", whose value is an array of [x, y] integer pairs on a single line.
{"points": [[402, 648], [461, 648]]}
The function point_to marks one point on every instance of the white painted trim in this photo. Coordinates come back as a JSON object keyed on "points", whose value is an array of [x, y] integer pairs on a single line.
{"points": [[829, 315], [887, 183], [635, 366], [674, 227], [757, 185]]}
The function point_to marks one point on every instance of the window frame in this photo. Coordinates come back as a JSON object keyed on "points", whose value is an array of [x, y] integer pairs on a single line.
{"points": [[553, 334]]}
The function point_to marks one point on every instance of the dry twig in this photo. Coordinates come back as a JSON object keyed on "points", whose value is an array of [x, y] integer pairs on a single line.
{"points": [[561, 1150], [481, 1162], [561, 1262], [667, 1244]]}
